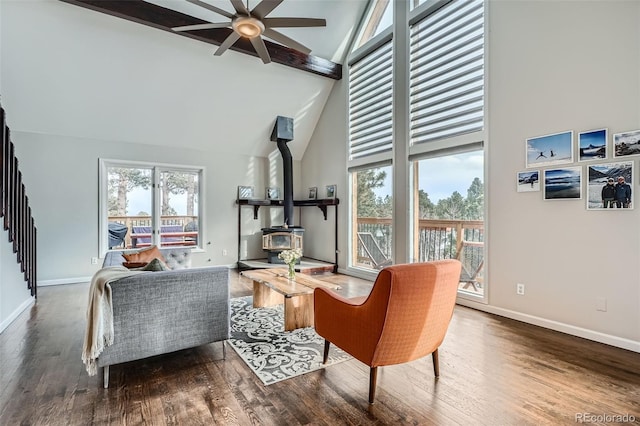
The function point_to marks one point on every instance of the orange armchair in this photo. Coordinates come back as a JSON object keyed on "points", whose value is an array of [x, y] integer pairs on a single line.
{"points": [[405, 317]]}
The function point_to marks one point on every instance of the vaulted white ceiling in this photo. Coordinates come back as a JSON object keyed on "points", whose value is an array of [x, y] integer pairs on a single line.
{"points": [[70, 71]]}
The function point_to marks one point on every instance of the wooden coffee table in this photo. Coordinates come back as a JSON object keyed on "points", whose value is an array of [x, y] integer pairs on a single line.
{"points": [[272, 287]]}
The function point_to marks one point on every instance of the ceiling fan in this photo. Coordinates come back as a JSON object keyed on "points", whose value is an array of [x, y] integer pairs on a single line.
{"points": [[253, 24]]}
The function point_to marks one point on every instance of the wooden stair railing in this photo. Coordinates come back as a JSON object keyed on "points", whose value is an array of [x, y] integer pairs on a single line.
{"points": [[15, 210]]}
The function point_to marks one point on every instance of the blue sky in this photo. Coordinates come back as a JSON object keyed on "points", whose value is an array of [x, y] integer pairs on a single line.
{"points": [[560, 143], [441, 176], [561, 173], [595, 138]]}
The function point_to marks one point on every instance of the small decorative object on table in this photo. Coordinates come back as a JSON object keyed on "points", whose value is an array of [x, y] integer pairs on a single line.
{"points": [[290, 257]]}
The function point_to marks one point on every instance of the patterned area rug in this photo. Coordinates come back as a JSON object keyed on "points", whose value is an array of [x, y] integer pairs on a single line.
{"points": [[258, 336]]}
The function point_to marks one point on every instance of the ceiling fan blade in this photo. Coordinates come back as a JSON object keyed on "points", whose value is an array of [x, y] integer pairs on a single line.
{"points": [[283, 39], [261, 49], [294, 22], [228, 42], [202, 26], [212, 8], [240, 7], [264, 8]]}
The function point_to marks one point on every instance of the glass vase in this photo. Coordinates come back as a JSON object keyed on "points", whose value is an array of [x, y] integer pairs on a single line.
{"points": [[292, 271]]}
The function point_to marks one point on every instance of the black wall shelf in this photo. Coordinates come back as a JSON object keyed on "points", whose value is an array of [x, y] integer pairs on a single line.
{"points": [[321, 204]]}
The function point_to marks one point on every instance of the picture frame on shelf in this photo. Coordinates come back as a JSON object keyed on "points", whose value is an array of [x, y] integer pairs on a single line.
{"points": [[626, 143], [331, 191], [592, 145], [556, 148], [528, 181], [272, 193], [602, 183], [313, 192], [245, 192], [563, 183]]}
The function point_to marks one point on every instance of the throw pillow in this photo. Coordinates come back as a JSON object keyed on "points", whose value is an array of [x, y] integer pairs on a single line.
{"points": [[132, 265], [155, 265], [146, 255]]}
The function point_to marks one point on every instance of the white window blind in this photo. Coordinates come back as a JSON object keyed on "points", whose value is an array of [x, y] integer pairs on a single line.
{"points": [[371, 103], [447, 72]]}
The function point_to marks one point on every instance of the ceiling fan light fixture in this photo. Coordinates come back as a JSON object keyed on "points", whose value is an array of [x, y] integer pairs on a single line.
{"points": [[247, 26]]}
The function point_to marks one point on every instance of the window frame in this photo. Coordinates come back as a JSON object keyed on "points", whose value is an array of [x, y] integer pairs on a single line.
{"points": [[156, 171]]}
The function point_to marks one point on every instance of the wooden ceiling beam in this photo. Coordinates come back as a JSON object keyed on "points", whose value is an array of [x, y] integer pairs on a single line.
{"points": [[155, 16]]}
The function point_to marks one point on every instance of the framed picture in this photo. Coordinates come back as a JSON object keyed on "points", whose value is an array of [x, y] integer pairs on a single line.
{"points": [[592, 145], [563, 183], [245, 192], [313, 193], [331, 191], [609, 186], [550, 149], [272, 193], [528, 181], [627, 143]]}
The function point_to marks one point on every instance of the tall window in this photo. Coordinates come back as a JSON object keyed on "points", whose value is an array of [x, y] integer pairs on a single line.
{"points": [[144, 204], [371, 217], [447, 72], [450, 213], [437, 111], [370, 103], [379, 18]]}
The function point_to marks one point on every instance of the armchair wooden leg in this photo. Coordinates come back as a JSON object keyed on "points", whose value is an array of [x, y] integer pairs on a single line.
{"points": [[105, 376], [326, 351], [373, 375], [436, 366], [224, 350]]}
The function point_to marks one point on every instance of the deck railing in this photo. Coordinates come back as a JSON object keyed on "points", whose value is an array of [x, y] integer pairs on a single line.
{"points": [[170, 224], [435, 238]]}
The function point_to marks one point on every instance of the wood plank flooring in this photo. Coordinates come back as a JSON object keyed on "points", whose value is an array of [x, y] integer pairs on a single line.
{"points": [[494, 371]]}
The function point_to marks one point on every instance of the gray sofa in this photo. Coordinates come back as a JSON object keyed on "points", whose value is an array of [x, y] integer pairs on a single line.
{"points": [[160, 312]]}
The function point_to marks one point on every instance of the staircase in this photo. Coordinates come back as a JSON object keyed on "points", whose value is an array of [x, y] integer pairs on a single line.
{"points": [[15, 210]]}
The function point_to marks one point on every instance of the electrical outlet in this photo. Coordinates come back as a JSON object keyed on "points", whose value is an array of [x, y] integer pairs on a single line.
{"points": [[224, 252], [94, 260], [520, 289]]}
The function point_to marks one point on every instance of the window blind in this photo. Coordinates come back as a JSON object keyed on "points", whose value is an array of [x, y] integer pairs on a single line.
{"points": [[371, 103], [447, 72]]}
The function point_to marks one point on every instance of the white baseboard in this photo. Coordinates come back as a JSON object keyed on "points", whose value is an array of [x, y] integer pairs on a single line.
{"points": [[596, 336], [76, 280], [27, 303]]}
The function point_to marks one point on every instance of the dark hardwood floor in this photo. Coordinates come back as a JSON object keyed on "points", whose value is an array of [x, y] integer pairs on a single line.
{"points": [[494, 371]]}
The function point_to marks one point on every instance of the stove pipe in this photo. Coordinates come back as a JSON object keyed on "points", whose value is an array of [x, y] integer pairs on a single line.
{"points": [[281, 134]]}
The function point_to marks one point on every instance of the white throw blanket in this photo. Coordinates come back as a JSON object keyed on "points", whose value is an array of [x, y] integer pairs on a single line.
{"points": [[99, 331]]}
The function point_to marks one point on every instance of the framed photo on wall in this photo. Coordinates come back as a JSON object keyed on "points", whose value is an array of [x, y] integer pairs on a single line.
{"points": [[528, 181], [313, 192], [245, 192], [273, 193], [331, 191], [592, 145], [549, 150], [627, 143], [609, 186], [563, 183]]}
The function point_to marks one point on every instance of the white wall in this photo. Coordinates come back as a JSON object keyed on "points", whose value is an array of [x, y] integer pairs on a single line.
{"points": [[61, 176], [67, 70], [553, 66], [79, 85], [558, 66], [324, 164], [14, 295]]}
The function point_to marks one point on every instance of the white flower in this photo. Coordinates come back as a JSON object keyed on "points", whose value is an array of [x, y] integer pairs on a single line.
{"points": [[290, 256]]}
